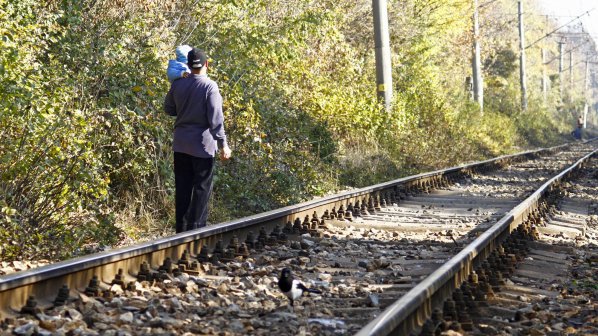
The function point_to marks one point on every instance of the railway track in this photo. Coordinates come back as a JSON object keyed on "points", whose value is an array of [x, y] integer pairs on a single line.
{"points": [[383, 257], [550, 286]]}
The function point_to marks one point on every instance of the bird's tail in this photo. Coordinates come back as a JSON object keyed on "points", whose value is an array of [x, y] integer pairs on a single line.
{"points": [[309, 290]]}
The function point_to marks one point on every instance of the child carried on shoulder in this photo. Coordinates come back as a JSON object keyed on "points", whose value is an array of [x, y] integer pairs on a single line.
{"points": [[177, 68]]}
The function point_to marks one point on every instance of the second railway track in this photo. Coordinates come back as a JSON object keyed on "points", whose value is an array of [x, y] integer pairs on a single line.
{"points": [[541, 280], [363, 249]]}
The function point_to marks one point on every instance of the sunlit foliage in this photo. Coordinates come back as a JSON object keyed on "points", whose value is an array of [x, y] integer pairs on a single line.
{"points": [[85, 158]]}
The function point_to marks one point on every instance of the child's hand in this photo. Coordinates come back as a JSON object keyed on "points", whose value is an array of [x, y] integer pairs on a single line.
{"points": [[185, 74]]}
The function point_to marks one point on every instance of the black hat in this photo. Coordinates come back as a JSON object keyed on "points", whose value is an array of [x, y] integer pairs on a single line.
{"points": [[196, 58]]}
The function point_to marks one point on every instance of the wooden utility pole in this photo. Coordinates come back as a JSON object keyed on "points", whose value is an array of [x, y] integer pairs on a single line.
{"points": [[586, 81], [570, 70], [561, 68], [561, 57], [383, 61], [544, 79], [478, 83], [586, 78], [522, 58]]}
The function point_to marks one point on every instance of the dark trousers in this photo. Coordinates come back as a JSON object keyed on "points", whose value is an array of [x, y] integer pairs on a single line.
{"points": [[193, 186]]}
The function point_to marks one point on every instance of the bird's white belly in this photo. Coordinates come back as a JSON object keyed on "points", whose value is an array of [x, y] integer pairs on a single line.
{"points": [[295, 291]]}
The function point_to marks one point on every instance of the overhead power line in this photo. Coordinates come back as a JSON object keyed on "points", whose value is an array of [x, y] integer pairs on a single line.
{"points": [[568, 51], [486, 3], [545, 36]]}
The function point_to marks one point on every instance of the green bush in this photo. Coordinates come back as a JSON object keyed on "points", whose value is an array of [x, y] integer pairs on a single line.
{"points": [[86, 158]]}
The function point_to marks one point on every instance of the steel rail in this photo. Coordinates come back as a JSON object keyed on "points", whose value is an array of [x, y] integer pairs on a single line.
{"points": [[411, 310], [44, 282]]}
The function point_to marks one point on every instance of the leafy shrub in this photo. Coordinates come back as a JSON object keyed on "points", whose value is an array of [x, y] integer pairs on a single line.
{"points": [[86, 161]]}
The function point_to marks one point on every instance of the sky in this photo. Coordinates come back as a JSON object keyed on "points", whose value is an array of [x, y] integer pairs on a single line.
{"points": [[566, 10]]}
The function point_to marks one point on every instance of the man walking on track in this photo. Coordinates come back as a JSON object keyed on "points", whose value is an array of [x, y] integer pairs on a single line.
{"points": [[579, 127], [198, 134]]}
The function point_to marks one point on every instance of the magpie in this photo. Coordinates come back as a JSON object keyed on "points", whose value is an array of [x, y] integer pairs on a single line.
{"points": [[293, 289]]}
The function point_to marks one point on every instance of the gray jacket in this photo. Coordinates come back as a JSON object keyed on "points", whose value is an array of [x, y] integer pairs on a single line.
{"points": [[197, 104]]}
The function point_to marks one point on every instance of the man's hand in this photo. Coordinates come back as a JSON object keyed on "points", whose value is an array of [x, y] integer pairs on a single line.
{"points": [[225, 153]]}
